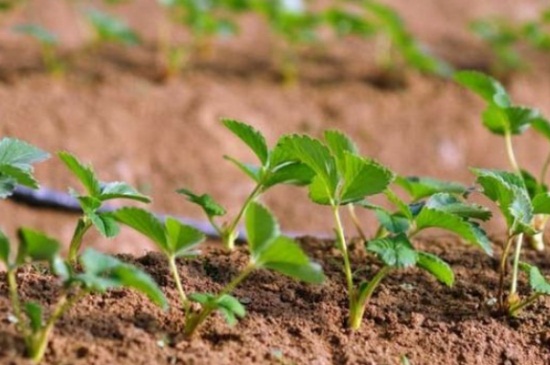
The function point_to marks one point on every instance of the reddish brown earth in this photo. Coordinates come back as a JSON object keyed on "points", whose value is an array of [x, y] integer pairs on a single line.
{"points": [[112, 110], [292, 323]]}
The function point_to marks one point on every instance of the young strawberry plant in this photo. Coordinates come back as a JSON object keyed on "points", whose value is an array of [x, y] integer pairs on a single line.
{"points": [[523, 200], [48, 46], [268, 250], [97, 193], [99, 274], [276, 167], [109, 29], [174, 239]]}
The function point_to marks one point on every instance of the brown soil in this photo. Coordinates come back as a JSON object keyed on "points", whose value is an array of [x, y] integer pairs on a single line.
{"points": [[113, 110], [292, 323]]}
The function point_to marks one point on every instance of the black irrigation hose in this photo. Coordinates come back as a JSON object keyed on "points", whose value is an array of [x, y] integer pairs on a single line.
{"points": [[45, 198]]}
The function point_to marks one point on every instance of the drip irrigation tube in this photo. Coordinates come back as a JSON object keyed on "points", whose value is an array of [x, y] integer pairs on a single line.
{"points": [[45, 198]]}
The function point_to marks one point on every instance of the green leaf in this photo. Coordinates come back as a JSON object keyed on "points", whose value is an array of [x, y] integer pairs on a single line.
{"points": [[7, 186], [121, 190], [401, 206], [541, 203], [205, 201], [536, 280], [18, 153], [394, 223], [261, 227], [85, 174], [254, 172], [513, 120], [36, 246], [285, 256], [4, 248], [509, 192], [317, 156], [451, 204], [394, 251], [437, 267], [542, 126], [422, 187], [105, 223], [181, 238], [227, 305], [145, 223], [362, 178], [38, 32], [102, 272], [111, 29], [253, 138], [485, 86], [532, 185], [22, 176], [433, 218], [61, 268], [201, 298], [318, 193], [338, 144], [33, 311], [232, 304], [293, 173]]}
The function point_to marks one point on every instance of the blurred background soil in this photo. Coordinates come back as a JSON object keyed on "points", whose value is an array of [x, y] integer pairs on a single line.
{"points": [[112, 110]]}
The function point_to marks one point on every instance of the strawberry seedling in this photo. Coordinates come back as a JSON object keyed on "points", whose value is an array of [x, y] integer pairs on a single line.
{"points": [[109, 29], [97, 193], [174, 239], [48, 43], [268, 250], [276, 167], [522, 199], [99, 274]]}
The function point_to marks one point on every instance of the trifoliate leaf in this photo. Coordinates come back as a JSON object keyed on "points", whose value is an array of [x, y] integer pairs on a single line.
{"points": [[422, 187], [437, 267], [84, 173], [261, 227], [293, 173], [338, 143], [252, 137], [105, 223], [205, 201], [394, 223], [108, 28], [394, 251], [512, 120], [485, 86], [21, 154]]}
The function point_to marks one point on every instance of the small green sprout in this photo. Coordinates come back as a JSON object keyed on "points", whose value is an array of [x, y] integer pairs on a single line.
{"points": [[268, 250], [174, 239], [16, 160], [109, 29], [99, 274], [276, 167], [48, 43], [91, 202], [522, 199]]}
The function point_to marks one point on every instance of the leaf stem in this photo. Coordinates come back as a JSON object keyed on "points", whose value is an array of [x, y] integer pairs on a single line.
{"points": [[81, 228], [230, 234], [517, 254], [356, 223], [177, 279], [502, 271], [358, 310], [510, 152], [39, 341], [194, 321], [343, 247], [15, 301]]}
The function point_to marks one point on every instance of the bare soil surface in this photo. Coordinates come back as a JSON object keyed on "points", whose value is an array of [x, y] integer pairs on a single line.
{"points": [[292, 323]]}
